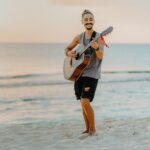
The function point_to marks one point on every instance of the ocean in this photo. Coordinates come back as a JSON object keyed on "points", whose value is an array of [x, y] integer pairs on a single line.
{"points": [[33, 89]]}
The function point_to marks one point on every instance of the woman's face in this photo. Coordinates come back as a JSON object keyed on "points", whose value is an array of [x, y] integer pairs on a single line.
{"points": [[88, 21]]}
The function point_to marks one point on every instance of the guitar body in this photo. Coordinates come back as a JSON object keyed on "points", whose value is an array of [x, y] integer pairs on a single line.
{"points": [[73, 68]]}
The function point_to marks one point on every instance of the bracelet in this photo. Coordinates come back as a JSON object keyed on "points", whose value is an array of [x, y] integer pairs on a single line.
{"points": [[67, 53]]}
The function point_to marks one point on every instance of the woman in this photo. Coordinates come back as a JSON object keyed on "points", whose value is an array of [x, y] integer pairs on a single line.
{"points": [[85, 86]]}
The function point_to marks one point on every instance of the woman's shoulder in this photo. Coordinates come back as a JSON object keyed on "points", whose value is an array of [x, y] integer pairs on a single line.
{"points": [[79, 36]]}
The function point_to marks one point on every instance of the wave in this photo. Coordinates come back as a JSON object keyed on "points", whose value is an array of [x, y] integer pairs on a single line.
{"points": [[127, 72], [32, 83], [50, 79], [65, 82], [23, 76]]}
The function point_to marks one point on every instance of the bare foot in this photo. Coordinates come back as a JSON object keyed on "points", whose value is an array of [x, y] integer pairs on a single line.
{"points": [[92, 133], [86, 131]]}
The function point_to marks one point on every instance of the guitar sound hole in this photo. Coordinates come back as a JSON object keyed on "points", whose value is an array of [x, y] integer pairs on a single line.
{"points": [[77, 56]]}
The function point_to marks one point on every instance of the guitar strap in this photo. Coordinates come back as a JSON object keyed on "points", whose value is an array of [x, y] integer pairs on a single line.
{"points": [[93, 36], [90, 49]]}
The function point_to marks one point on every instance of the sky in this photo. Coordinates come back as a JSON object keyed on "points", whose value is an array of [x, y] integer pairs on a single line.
{"points": [[59, 21]]}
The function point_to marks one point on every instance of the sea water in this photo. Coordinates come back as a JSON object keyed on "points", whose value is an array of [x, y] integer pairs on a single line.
{"points": [[33, 89]]}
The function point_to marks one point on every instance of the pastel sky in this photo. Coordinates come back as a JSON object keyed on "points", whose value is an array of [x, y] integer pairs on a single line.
{"points": [[60, 20]]}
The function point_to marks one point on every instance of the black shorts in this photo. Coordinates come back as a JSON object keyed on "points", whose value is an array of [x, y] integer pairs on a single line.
{"points": [[85, 87]]}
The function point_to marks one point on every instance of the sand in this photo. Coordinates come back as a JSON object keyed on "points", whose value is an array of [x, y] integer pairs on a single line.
{"points": [[131, 134]]}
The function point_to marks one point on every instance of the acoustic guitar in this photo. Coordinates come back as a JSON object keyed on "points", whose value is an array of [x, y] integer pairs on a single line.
{"points": [[74, 67]]}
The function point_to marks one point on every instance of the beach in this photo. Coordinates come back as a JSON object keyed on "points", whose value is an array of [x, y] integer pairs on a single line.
{"points": [[38, 105], [38, 108], [131, 134]]}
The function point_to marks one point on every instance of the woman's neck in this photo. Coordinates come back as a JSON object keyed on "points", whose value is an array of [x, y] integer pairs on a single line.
{"points": [[88, 33]]}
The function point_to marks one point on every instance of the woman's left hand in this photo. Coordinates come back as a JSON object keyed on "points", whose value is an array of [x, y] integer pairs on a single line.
{"points": [[95, 45]]}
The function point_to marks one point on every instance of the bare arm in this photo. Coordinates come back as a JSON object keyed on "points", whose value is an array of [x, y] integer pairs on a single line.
{"points": [[100, 51], [99, 48], [73, 44]]}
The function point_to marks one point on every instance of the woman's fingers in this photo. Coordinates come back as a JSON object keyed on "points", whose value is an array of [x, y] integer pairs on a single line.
{"points": [[94, 45], [72, 54]]}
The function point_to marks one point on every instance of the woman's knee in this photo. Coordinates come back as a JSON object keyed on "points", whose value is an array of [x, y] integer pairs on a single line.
{"points": [[85, 102]]}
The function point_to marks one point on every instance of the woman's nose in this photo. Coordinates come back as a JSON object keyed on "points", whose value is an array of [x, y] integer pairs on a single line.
{"points": [[88, 21]]}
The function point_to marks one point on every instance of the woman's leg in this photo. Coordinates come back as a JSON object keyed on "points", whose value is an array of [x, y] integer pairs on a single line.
{"points": [[89, 112], [85, 119]]}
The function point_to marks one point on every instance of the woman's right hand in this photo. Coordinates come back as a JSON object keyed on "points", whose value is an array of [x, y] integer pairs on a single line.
{"points": [[72, 54]]}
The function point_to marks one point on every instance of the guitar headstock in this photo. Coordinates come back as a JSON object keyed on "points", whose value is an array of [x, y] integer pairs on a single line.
{"points": [[107, 31]]}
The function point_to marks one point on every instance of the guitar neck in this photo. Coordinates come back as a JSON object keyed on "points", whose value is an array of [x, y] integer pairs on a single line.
{"points": [[105, 32], [87, 46]]}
